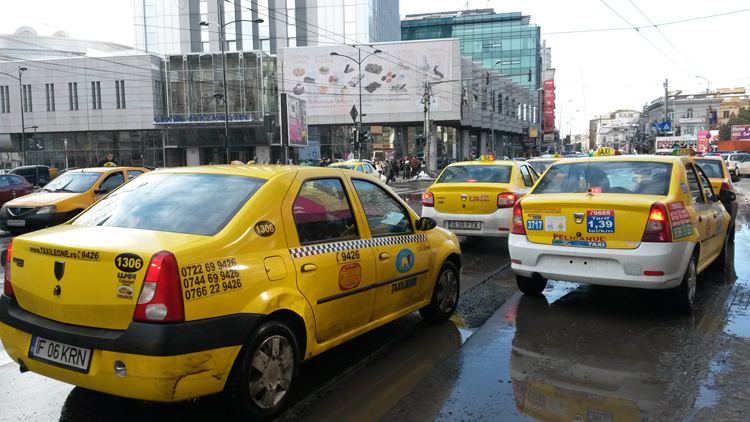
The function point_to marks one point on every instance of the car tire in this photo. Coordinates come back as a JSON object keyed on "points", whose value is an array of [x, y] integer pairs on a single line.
{"points": [[262, 393], [533, 286], [444, 295], [722, 261], [684, 294]]}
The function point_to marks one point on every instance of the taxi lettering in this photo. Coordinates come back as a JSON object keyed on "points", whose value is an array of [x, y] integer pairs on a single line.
{"points": [[210, 278], [264, 228], [347, 256], [578, 239], [479, 198], [403, 285]]}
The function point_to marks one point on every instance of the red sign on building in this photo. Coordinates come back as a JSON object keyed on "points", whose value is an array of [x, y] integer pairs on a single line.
{"points": [[549, 106]]}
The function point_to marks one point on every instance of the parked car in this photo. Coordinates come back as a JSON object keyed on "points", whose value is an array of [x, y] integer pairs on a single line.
{"points": [[12, 187], [742, 168], [36, 175], [732, 159]]}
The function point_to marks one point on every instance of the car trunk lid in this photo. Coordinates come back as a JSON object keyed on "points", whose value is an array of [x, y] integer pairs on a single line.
{"points": [[467, 198]]}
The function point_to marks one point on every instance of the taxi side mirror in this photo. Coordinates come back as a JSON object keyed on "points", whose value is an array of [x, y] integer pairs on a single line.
{"points": [[423, 224], [725, 195]]}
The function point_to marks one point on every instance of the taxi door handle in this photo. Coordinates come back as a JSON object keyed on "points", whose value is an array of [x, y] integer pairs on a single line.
{"points": [[715, 215], [384, 255], [700, 218], [309, 268]]}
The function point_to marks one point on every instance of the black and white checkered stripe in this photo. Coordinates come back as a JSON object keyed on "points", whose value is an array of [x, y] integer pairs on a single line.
{"points": [[355, 244]]}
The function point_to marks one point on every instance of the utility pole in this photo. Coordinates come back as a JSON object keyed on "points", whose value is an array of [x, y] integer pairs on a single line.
{"points": [[426, 101], [666, 101]]}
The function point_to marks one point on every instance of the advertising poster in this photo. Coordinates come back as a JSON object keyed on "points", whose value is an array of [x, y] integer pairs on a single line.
{"points": [[741, 132], [704, 137], [391, 81], [294, 119], [549, 106]]}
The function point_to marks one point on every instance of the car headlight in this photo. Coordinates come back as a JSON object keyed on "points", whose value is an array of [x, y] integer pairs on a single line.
{"points": [[49, 209]]}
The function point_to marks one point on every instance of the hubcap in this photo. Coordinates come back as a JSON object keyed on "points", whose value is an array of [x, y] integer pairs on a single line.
{"points": [[271, 372], [447, 290], [692, 278]]}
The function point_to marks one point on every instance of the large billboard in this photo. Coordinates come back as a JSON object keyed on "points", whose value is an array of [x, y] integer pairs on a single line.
{"points": [[391, 81], [740, 132], [294, 121], [549, 106]]}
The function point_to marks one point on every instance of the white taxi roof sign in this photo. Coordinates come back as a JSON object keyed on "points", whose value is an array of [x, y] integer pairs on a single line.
{"points": [[487, 158], [604, 152]]}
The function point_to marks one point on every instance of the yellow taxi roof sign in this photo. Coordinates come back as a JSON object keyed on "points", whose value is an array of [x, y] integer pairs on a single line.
{"points": [[487, 158], [604, 152], [683, 151], [557, 156]]}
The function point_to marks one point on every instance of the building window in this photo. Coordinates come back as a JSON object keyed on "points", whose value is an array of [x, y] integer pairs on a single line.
{"points": [[73, 95], [725, 115], [119, 94], [4, 99], [27, 105], [689, 114], [50, 91], [96, 96]]}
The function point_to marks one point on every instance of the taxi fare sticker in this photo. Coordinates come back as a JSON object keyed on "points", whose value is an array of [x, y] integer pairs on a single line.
{"points": [[555, 223], [209, 278], [64, 253], [350, 276], [682, 226], [588, 241], [479, 198], [600, 221]]}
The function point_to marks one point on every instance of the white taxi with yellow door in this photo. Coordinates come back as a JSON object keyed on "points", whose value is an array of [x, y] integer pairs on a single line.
{"points": [[189, 281], [476, 198], [651, 222]]}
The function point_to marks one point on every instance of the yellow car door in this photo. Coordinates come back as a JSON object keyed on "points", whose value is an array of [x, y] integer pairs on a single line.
{"points": [[403, 257], [335, 268], [704, 214], [717, 220]]}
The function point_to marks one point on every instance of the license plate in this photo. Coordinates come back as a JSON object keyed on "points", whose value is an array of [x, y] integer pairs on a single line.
{"points": [[15, 223], [60, 354], [466, 225]]}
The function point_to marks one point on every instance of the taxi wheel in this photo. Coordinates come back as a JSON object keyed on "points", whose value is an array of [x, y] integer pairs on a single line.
{"points": [[533, 286], [684, 294], [265, 372], [444, 295]]}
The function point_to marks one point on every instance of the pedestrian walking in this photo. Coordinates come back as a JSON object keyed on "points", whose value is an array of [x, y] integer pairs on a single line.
{"points": [[414, 164]]}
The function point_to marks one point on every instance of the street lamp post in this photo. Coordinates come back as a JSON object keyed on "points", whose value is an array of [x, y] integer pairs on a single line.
{"points": [[23, 129], [561, 117], [222, 38], [708, 84], [359, 82]]}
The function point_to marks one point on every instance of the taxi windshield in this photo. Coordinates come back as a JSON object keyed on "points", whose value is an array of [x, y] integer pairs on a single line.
{"points": [[476, 173], [626, 177], [189, 203], [713, 168], [342, 166], [73, 182]]}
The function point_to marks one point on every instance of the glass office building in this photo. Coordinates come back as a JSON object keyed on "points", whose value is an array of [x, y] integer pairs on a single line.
{"points": [[487, 37]]}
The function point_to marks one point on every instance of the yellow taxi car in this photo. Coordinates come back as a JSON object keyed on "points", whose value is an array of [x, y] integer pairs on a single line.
{"points": [[718, 175], [63, 198], [651, 222], [359, 166], [476, 198], [189, 281], [541, 164]]}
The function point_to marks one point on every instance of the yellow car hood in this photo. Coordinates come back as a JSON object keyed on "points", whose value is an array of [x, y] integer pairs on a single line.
{"points": [[41, 199]]}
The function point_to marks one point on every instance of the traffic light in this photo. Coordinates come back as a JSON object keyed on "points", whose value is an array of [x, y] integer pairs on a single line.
{"points": [[420, 141], [529, 75], [364, 136]]}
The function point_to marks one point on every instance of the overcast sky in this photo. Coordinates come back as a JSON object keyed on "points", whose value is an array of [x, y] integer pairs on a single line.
{"points": [[598, 71]]}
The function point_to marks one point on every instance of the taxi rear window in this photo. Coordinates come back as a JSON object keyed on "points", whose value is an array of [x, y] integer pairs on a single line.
{"points": [[342, 166], [713, 168], [625, 177], [476, 173], [190, 203]]}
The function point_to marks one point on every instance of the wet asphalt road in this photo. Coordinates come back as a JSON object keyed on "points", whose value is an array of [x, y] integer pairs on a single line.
{"points": [[601, 353]]}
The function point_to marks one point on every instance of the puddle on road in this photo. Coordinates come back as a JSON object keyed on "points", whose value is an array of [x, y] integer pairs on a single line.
{"points": [[708, 396]]}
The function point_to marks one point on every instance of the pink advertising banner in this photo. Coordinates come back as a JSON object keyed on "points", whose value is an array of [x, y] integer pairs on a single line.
{"points": [[741, 132]]}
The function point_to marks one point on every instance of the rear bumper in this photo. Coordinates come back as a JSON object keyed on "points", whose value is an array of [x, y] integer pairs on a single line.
{"points": [[34, 221], [496, 224], [609, 267], [165, 362]]}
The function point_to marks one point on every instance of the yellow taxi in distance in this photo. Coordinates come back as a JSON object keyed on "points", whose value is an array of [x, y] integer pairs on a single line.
{"points": [[359, 166], [476, 198], [63, 198], [651, 222], [189, 281], [542, 164], [718, 173]]}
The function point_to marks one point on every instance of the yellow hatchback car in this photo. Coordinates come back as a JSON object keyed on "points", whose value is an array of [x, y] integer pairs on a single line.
{"points": [[476, 198], [63, 198], [189, 281], [652, 222]]}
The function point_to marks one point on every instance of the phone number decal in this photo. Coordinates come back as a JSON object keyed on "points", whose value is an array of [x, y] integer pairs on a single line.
{"points": [[209, 279]]}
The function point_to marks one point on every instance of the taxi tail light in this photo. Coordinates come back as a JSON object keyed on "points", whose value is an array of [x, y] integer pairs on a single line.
{"points": [[507, 200], [517, 222], [7, 287], [724, 186], [428, 199], [160, 299], [657, 227]]}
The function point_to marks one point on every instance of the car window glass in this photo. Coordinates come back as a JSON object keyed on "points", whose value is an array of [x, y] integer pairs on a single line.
{"points": [[359, 168], [534, 175], [713, 168], [526, 177], [476, 173], [707, 188], [322, 212], [15, 180], [167, 202], [368, 169], [73, 182], [4, 182], [623, 177], [385, 215], [112, 181], [134, 173], [695, 188]]}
